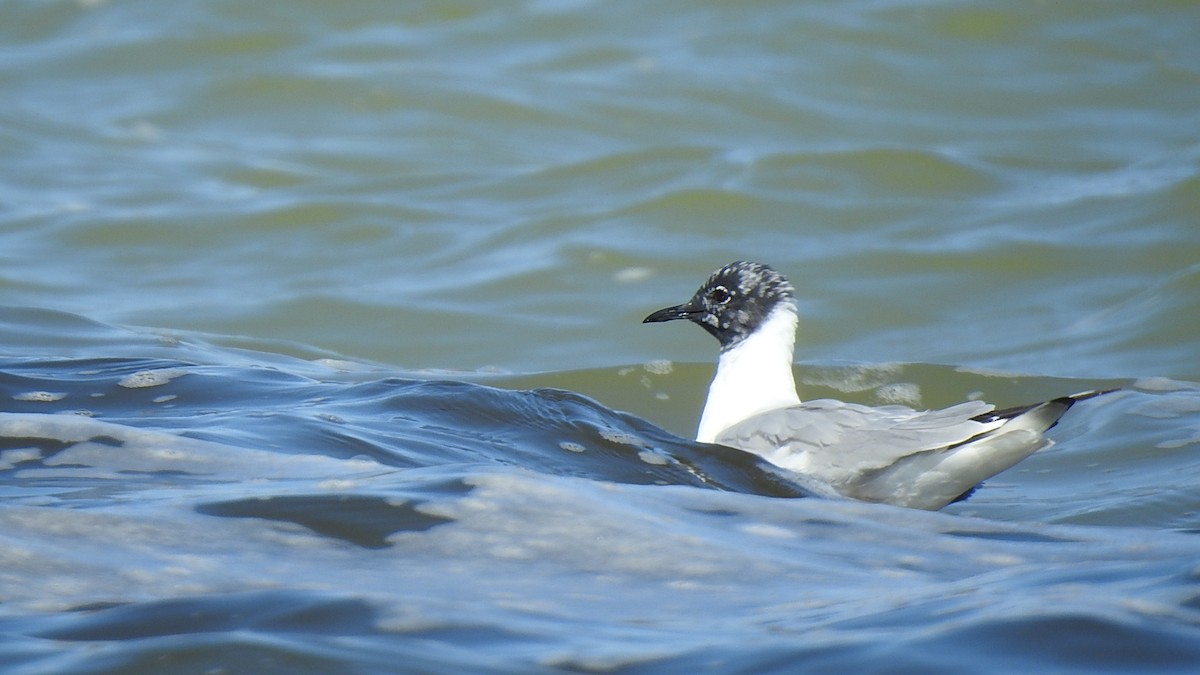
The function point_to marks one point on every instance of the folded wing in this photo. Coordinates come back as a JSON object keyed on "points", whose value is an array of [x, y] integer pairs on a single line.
{"points": [[894, 454]]}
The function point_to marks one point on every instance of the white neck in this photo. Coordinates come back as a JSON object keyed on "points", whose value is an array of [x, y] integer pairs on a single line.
{"points": [[753, 377]]}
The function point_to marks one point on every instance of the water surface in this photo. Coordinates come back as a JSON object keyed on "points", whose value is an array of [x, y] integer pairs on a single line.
{"points": [[320, 341]]}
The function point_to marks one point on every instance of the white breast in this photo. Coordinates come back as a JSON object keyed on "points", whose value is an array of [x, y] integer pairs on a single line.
{"points": [[753, 377]]}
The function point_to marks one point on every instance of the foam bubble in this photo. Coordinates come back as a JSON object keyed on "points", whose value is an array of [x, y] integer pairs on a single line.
{"points": [[900, 392], [151, 378], [621, 437], [855, 378], [40, 396], [652, 457], [659, 367]]}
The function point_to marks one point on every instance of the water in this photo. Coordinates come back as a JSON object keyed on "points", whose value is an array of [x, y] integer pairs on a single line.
{"points": [[317, 322]]}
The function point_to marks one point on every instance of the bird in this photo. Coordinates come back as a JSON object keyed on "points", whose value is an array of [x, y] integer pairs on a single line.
{"points": [[921, 459]]}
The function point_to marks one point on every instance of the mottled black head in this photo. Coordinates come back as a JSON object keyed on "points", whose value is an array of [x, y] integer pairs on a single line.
{"points": [[733, 303]]}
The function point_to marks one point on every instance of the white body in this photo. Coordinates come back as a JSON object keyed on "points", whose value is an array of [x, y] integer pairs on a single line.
{"points": [[753, 377]]}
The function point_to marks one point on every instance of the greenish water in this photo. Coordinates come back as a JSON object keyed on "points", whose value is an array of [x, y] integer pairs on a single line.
{"points": [[972, 198], [514, 184]]}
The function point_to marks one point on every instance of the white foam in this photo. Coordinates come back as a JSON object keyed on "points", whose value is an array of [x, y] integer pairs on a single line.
{"points": [[659, 367], [40, 396], [151, 378], [652, 457], [621, 437], [855, 378], [900, 392]]}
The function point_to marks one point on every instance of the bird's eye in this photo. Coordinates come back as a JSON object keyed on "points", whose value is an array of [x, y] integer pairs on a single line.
{"points": [[719, 295]]}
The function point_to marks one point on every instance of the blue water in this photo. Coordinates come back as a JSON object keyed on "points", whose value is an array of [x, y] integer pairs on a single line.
{"points": [[279, 515], [320, 341]]}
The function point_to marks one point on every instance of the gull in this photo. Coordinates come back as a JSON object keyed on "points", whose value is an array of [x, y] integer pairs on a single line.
{"points": [[892, 454]]}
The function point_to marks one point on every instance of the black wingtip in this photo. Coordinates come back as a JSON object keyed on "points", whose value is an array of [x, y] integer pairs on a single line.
{"points": [[1065, 401], [1071, 400]]}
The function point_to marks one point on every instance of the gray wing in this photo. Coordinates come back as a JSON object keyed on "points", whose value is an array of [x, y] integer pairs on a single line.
{"points": [[898, 455], [851, 446], [834, 433]]}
